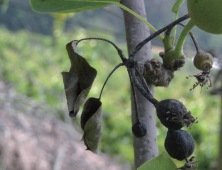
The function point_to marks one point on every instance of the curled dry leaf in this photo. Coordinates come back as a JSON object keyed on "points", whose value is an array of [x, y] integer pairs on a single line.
{"points": [[78, 81], [91, 123]]}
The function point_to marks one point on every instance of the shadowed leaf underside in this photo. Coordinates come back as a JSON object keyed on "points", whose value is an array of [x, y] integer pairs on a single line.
{"points": [[78, 81]]}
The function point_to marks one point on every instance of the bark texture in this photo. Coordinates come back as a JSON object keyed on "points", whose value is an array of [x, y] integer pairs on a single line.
{"points": [[144, 148]]}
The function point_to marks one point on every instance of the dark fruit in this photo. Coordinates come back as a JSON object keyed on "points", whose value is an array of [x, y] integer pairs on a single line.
{"points": [[139, 129], [203, 59], [173, 114], [179, 144]]}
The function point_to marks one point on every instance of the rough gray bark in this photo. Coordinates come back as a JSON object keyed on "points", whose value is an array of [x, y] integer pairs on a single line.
{"points": [[144, 148]]}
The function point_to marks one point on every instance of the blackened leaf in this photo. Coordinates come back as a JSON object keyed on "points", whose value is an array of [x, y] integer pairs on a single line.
{"points": [[90, 107], [72, 90], [85, 73], [91, 123], [78, 81]]}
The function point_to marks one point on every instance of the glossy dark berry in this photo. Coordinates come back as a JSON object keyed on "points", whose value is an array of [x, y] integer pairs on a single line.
{"points": [[139, 129], [173, 114], [179, 144]]}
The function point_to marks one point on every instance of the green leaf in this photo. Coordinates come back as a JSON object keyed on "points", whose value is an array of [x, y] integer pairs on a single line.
{"points": [[78, 81], [91, 123], [177, 6], [162, 162], [46, 6]]}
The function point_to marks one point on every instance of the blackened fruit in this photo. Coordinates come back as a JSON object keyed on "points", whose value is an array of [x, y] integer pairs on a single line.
{"points": [[173, 114], [202, 59], [139, 129], [179, 144]]}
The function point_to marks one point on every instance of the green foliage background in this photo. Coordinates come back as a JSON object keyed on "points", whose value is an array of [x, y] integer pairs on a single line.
{"points": [[33, 64]]}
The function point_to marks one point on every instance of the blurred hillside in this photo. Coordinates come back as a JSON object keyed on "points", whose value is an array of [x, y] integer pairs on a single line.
{"points": [[31, 139]]}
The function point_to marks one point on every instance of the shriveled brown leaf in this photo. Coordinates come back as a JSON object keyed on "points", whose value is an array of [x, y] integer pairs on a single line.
{"points": [[91, 123], [78, 81]]}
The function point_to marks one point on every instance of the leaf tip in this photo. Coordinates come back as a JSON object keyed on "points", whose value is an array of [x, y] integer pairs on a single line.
{"points": [[88, 149]]}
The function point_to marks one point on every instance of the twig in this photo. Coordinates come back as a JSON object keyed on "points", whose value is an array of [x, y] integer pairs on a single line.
{"points": [[135, 100], [120, 52], [142, 79], [119, 65], [141, 44], [145, 93]]}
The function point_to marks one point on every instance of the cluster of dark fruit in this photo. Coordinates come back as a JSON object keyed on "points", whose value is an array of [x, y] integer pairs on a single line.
{"points": [[179, 143], [172, 114]]}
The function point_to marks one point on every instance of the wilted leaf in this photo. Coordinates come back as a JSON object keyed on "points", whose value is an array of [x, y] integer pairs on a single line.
{"points": [[177, 6], [78, 81], [91, 123], [64, 6], [72, 89], [162, 162]]}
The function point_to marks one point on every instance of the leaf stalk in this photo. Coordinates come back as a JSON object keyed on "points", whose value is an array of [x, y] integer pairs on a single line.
{"points": [[178, 51], [119, 65]]}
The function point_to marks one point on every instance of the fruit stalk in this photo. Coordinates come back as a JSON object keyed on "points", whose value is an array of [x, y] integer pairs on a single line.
{"points": [[123, 58], [143, 90], [175, 28], [178, 51], [144, 42], [119, 65], [167, 40], [193, 38]]}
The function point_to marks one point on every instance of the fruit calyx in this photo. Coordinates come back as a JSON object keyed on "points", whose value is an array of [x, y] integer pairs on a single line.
{"points": [[203, 78], [203, 61], [187, 120], [190, 164]]}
